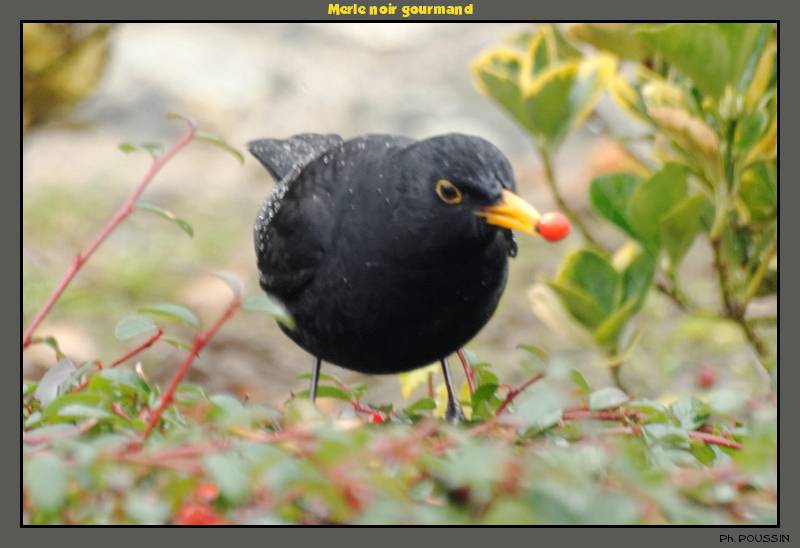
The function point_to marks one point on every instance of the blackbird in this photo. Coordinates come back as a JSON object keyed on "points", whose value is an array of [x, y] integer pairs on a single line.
{"points": [[389, 253]]}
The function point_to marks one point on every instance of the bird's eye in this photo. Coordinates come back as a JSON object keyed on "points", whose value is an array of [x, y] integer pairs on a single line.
{"points": [[448, 192]]}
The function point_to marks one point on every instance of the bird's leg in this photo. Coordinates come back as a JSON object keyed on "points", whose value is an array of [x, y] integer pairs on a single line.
{"points": [[454, 414], [312, 391]]}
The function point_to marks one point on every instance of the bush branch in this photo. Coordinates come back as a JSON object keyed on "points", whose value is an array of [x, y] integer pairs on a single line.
{"points": [[571, 214], [199, 343], [122, 213], [514, 392], [133, 351]]}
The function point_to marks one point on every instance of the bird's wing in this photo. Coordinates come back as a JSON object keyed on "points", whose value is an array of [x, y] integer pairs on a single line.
{"points": [[281, 157], [290, 246]]}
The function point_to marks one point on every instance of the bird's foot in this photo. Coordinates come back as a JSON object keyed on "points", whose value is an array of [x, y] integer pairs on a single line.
{"points": [[454, 414]]}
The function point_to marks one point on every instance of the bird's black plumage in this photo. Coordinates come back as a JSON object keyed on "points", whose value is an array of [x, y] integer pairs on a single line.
{"points": [[389, 253], [378, 272]]}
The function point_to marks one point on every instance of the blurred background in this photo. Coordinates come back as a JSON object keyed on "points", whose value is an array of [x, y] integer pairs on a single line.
{"points": [[89, 88]]}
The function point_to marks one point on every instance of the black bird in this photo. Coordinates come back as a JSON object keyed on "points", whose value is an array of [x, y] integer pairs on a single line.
{"points": [[389, 253]]}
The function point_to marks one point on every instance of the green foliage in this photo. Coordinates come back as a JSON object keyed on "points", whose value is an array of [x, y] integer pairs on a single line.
{"points": [[706, 94], [550, 458]]}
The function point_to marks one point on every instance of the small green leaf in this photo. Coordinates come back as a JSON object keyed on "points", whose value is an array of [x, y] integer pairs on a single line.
{"points": [[46, 481], [577, 377], [534, 351], [219, 142], [690, 412], [618, 38], [652, 200], [273, 307], [324, 391], [229, 472], [177, 342], [606, 398], [166, 215], [759, 191], [422, 404], [610, 196], [82, 411], [713, 55], [172, 312], [680, 226], [133, 326], [127, 148], [588, 286], [154, 149]]}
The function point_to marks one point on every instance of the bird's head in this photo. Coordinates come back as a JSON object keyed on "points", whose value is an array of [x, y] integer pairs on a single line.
{"points": [[468, 186]]}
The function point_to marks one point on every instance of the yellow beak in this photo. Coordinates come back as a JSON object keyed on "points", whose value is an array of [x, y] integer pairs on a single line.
{"points": [[512, 212]]}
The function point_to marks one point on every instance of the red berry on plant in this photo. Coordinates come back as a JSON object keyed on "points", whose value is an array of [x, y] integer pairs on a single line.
{"points": [[193, 513], [207, 491], [706, 376], [376, 418], [553, 226]]}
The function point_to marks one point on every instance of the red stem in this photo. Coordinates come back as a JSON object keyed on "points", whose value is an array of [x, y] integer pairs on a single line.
{"points": [[715, 440], [467, 370], [200, 342], [133, 351], [514, 392], [122, 213]]}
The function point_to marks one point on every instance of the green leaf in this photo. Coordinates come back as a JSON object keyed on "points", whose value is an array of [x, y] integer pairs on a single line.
{"points": [[177, 342], [759, 191], [273, 307], [219, 142], [617, 38], [167, 215], [681, 225], [422, 404], [127, 148], [750, 129], [146, 509], [154, 149], [46, 481], [497, 73], [637, 278], [87, 399], [713, 55], [53, 343], [690, 412], [539, 408], [548, 111], [172, 312], [577, 377], [580, 305], [133, 326], [588, 286], [610, 196], [77, 410], [652, 200], [606, 398], [324, 391], [229, 472]]}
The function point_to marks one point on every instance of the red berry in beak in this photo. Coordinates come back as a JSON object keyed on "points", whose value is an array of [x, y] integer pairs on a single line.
{"points": [[553, 226]]}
